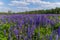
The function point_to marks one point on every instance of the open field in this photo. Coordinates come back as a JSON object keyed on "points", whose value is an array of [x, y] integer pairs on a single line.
{"points": [[29, 26]]}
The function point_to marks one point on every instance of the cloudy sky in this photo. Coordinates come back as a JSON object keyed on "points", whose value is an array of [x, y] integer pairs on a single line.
{"points": [[27, 5]]}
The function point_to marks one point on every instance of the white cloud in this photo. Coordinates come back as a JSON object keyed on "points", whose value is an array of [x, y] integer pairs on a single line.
{"points": [[18, 3], [46, 5], [27, 9], [50, 5], [4, 9], [22, 5], [1, 3], [34, 1]]}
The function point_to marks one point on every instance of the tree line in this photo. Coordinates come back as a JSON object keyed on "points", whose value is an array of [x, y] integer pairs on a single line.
{"points": [[48, 11]]}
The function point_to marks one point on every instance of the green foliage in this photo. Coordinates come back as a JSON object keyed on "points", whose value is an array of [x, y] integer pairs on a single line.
{"points": [[50, 11], [2, 27]]}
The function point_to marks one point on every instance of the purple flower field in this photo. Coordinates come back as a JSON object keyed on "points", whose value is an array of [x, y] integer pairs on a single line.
{"points": [[30, 27]]}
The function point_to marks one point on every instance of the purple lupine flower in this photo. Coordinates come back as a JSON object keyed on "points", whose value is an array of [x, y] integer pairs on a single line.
{"points": [[50, 21], [30, 22], [38, 21], [57, 37], [33, 28], [58, 31], [3, 20], [29, 32], [43, 20], [16, 32], [9, 20], [50, 38], [20, 26], [22, 21]]}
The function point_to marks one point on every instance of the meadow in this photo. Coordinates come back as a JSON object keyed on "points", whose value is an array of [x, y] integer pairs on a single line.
{"points": [[30, 27]]}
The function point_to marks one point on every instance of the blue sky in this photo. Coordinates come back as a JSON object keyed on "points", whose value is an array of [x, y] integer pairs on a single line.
{"points": [[27, 5]]}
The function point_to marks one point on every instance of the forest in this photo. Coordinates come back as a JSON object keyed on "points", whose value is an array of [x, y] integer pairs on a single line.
{"points": [[47, 11]]}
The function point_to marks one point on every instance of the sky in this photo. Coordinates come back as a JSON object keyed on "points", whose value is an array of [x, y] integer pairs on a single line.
{"points": [[27, 5]]}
